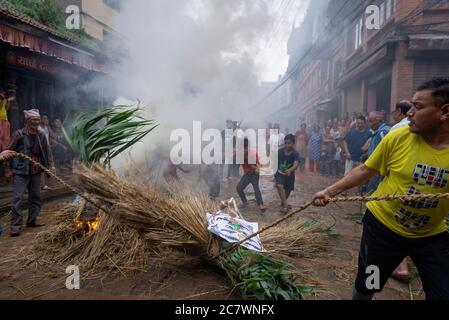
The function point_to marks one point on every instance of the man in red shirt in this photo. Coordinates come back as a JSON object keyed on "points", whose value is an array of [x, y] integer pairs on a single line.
{"points": [[250, 176]]}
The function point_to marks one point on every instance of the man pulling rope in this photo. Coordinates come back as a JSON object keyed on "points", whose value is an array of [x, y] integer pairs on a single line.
{"points": [[26, 174], [413, 160]]}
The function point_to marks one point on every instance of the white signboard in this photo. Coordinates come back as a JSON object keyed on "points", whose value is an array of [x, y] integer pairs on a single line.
{"points": [[234, 230]]}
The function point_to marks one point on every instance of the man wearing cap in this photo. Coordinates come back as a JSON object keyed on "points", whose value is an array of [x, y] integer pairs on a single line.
{"points": [[26, 175]]}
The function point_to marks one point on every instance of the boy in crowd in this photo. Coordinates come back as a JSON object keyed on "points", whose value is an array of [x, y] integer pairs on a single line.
{"points": [[288, 162], [250, 176]]}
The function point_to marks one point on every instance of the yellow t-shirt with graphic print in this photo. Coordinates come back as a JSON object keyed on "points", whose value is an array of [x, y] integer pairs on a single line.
{"points": [[410, 166], [4, 105]]}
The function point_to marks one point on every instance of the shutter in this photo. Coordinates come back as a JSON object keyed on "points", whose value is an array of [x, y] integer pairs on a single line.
{"points": [[428, 69]]}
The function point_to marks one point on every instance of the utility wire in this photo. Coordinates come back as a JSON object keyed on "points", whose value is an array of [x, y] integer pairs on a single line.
{"points": [[414, 13]]}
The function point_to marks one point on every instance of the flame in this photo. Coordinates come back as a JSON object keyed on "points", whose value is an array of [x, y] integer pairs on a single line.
{"points": [[87, 226], [93, 225]]}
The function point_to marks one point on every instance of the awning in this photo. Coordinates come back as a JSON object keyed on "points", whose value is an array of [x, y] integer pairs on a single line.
{"points": [[22, 39], [426, 42]]}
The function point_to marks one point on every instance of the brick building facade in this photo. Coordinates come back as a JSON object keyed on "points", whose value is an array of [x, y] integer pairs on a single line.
{"points": [[348, 67], [46, 69]]}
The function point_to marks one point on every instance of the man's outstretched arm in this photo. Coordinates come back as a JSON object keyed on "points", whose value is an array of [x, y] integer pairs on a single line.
{"points": [[355, 178]]}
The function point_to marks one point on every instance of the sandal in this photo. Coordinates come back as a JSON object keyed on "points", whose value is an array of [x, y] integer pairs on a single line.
{"points": [[284, 210]]}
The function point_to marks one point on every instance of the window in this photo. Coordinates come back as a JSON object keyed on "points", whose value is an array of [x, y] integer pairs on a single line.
{"points": [[389, 9], [382, 13], [337, 70], [359, 34], [325, 70]]}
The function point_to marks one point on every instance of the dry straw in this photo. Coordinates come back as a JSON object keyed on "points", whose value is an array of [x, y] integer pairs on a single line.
{"points": [[139, 223]]}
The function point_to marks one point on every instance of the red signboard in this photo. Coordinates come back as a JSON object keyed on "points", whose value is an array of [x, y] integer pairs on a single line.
{"points": [[36, 63]]}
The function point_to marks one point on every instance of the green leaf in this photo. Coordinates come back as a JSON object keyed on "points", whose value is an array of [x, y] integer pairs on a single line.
{"points": [[106, 133]]}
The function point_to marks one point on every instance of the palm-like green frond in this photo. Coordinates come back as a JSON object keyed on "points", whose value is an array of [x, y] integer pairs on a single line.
{"points": [[104, 134]]}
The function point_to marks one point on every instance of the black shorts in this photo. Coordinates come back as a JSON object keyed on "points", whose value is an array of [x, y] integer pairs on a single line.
{"points": [[382, 248], [288, 182]]}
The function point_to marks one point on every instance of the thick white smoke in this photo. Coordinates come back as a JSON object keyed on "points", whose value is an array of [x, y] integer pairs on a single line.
{"points": [[191, 59]]}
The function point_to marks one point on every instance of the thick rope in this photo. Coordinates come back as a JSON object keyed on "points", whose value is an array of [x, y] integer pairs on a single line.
{"points": [[52, 174], [335, 200], [414, 197]]}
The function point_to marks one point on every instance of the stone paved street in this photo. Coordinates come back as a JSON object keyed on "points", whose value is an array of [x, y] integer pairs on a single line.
{"points": [[332, 271]]}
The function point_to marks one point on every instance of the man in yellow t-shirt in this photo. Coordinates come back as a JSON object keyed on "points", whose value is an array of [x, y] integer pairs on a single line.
{"points": [[413, 160], [5, 129]]}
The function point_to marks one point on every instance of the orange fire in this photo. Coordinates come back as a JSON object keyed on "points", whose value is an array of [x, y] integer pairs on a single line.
{"points": [[87, 226]]}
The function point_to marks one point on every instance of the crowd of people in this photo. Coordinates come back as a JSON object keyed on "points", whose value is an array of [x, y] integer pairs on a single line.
{"points": [[335, 151], [343, 144]]}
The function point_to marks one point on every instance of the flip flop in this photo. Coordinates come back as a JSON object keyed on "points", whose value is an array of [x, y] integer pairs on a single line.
{"points": [[284, 210]]}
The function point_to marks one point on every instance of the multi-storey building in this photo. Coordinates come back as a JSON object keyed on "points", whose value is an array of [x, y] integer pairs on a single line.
{"points": [[97, 16], [47, 69], [357, 66]]}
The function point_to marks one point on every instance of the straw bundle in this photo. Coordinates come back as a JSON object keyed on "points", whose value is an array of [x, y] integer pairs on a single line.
{"points": [[174, 221], [112, 244], [178, 220], [296, 240], [139, 223]]}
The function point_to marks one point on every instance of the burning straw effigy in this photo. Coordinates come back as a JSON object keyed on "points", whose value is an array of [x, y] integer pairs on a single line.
{"points": [[132, 223], [138, 222]]}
